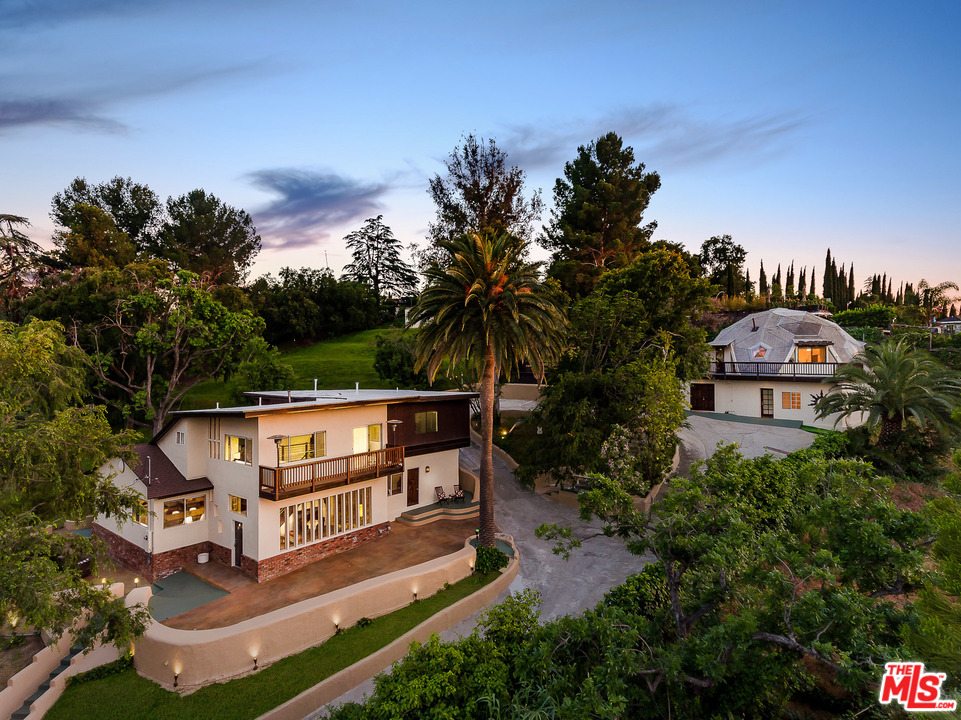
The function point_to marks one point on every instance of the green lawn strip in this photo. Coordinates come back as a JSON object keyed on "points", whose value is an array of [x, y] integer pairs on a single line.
{"points": [[127, 696], [817, 430]]}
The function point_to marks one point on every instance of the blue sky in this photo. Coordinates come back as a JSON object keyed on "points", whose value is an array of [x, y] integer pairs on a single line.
{"points": [[792, 126]]}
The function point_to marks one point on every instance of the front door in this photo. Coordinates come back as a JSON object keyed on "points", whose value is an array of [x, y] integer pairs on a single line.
{"points": [[767, 402], [413, 486], [238, 542], [702, 397]]}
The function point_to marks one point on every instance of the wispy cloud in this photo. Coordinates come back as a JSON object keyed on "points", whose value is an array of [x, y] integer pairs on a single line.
{"points": [[52, 111], [310, 203], [30, 13], [662, 135]]}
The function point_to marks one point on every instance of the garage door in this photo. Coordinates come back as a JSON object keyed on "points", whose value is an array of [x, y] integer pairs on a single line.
{"points": [[702, 397]]}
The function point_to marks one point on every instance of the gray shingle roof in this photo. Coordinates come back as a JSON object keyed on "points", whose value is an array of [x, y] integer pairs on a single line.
{"points": [[165, 479], [779, 331]]}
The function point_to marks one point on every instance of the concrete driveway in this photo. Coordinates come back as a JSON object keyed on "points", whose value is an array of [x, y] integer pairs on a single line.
{"points": [[567, 587], [753, 438]]}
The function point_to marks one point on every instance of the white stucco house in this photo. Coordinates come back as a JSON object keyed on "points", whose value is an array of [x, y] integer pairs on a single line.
{"points": [[292, 478], [774, 365]]}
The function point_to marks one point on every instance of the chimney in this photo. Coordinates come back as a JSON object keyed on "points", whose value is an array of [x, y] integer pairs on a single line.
{"points": [[315, 384], [357, 388], [148, 470]]}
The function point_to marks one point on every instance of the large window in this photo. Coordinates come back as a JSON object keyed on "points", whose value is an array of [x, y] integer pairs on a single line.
{"points": [[184, 511], [812, 354], [425, 422], [316, 520], [239, 449], [366, 439], [297, 448], [791, 401]]}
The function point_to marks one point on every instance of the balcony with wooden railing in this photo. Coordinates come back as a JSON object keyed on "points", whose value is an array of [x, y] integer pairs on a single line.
{"points": [[280, 483], [773, 370]]}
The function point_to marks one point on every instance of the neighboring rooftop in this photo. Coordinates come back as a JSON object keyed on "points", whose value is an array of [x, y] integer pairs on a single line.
{"points": [[779, 331]]}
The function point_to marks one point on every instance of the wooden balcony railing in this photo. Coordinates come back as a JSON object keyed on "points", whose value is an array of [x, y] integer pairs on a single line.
{"points": [[292, 480], [785, 370]]}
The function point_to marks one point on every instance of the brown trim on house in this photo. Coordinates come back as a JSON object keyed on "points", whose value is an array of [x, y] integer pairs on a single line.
{"points": [[415, 450]]}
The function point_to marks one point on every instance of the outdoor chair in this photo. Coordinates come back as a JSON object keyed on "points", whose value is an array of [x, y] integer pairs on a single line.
{"points": [[442, 497], [458, 493]]}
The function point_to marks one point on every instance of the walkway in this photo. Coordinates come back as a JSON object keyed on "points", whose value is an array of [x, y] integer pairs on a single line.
{"points": [[402, 547]]}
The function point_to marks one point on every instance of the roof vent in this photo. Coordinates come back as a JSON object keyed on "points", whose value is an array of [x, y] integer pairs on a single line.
{"points": [[754, 325]]}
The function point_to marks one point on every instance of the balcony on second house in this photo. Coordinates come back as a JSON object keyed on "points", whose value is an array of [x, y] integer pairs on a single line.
{"points": [[813, 371], [280, 483]]}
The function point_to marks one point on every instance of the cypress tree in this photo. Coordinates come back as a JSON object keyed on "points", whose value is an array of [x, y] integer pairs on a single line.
{"points": [[814, 273], [851, 291], [777, 276], [802, 286], [830, 273], [762, 286], [748, 285]]}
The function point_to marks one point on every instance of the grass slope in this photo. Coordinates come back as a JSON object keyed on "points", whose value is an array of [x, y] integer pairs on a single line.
{"points": [[127, 696], [337, 364]]}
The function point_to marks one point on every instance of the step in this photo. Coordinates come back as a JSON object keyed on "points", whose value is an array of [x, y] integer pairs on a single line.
{"points": [[24, 710]]}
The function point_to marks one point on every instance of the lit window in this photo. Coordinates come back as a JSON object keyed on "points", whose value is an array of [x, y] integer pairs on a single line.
{"points": [[140, 514], [791, 401], [184, 510], [213, 437], [395, 484], [811, 354], [238, 505], [297, 448], [181, 437], [315, 520], [239, 449], [425, 422], [760, 352]]}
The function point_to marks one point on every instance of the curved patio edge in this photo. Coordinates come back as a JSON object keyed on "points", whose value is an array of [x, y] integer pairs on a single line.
{"points": [[201, 657], [350, 677]]}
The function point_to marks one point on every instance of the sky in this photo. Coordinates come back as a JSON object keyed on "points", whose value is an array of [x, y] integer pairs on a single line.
{"points": [[794, 127]]}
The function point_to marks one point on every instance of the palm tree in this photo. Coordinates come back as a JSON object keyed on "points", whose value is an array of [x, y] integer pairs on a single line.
{"points": [[893, 383], [487, 306], [934, 297]]}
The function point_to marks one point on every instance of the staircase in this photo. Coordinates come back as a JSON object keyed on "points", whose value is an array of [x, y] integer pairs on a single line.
{"points": [[24, 711]]}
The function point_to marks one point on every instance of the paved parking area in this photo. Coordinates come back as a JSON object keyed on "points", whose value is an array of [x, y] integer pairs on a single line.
{"points": [[753, 438]]}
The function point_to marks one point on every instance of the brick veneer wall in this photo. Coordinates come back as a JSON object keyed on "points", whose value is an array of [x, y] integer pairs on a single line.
{"points": [[160, 565], [282, 564]]}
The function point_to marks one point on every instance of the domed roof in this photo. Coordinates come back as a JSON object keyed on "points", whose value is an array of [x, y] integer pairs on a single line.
{"points": [[772, 335]]}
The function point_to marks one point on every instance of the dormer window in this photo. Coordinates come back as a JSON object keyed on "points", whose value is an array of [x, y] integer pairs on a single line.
{"points": [[759, 352], [812, 354]]}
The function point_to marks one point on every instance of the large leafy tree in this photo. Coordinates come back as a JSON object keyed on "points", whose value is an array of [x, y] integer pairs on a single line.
{"points": [[134, 208], [480, 194], [50, 450], [772, 568], [161, 337], [377, 261], [934, 298], [92, 239], [599, 208], [206, 236], [723, 261], [893, 384], [488, 308]]}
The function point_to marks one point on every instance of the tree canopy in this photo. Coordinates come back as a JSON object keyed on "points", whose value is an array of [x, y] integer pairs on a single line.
{"points": [[377, 262], [92, 239], [599, 210], [19, 255], [51, 450], [204, 235], [480, 194], [723, 262]]}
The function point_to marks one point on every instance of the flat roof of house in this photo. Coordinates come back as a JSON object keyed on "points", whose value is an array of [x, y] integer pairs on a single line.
{"points": [[304, 400]]}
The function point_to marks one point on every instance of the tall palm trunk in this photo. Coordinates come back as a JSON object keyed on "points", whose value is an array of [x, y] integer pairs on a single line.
{"points": [[488, 377], [890, 429]]}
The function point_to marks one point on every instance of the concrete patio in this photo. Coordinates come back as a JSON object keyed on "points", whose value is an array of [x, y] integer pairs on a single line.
{"points": [[403, 547]]}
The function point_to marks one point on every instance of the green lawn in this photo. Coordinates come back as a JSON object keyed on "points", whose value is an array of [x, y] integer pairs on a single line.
{"points": [[127, 696], [336, 364]]}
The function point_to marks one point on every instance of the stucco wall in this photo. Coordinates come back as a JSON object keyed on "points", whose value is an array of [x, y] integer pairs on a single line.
{"points": [[204, 656], [130, 531]]}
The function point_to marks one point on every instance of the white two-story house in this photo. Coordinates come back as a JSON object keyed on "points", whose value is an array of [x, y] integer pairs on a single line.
{"points": [[295, 477], [774, 365]]}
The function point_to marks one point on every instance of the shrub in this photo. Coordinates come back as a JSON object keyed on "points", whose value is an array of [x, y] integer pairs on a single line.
{"points": [[489, 560], [112, 668], [644, 593]]}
